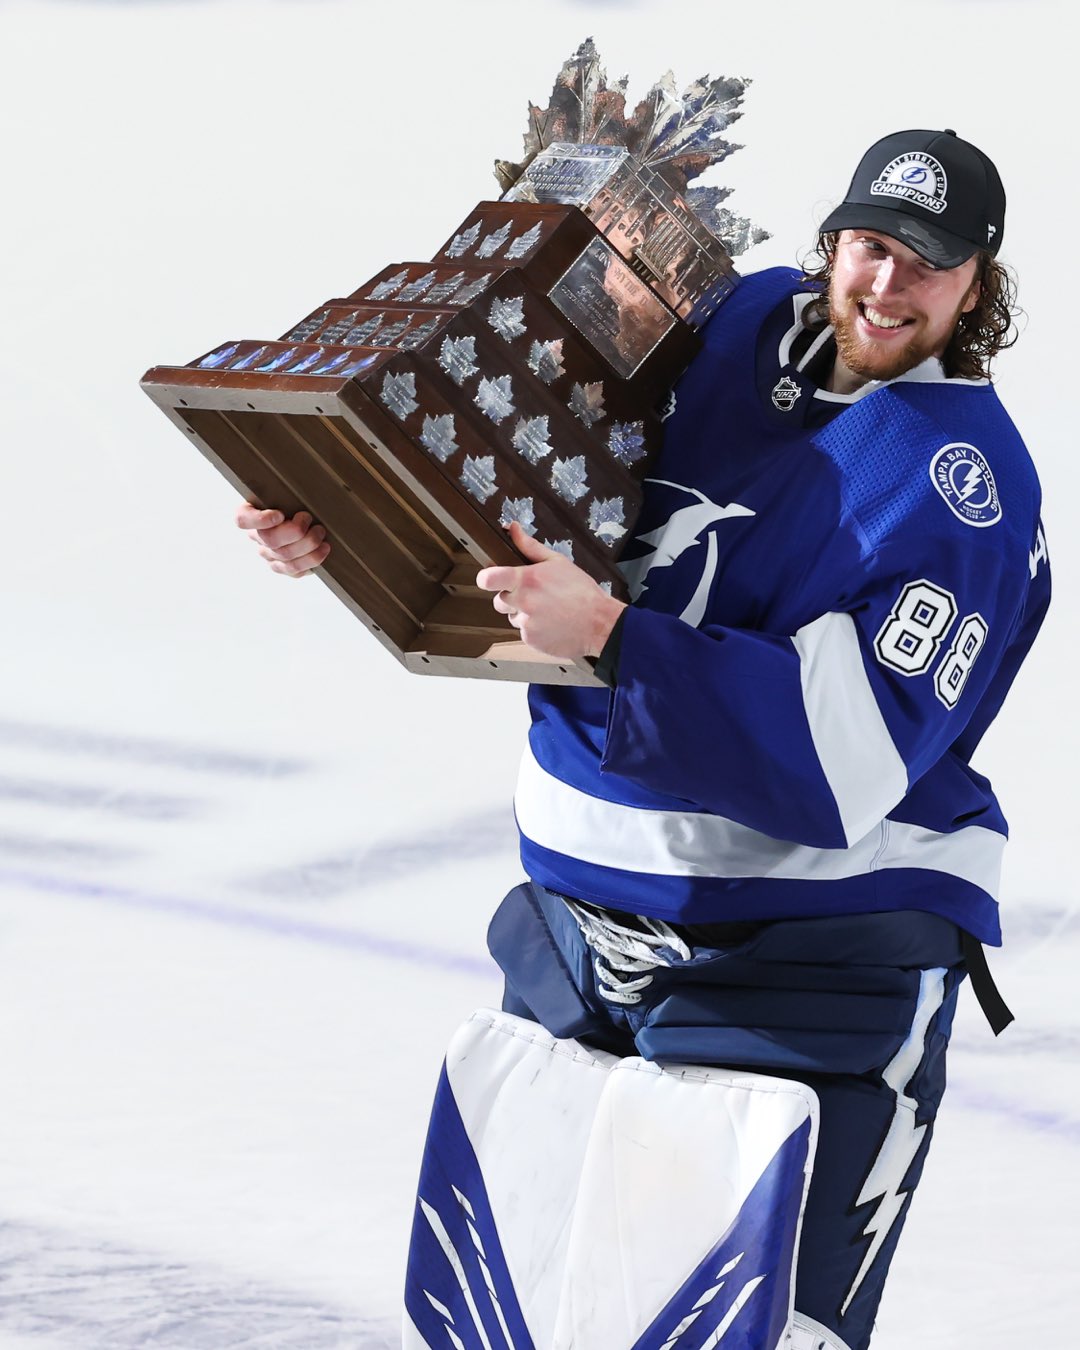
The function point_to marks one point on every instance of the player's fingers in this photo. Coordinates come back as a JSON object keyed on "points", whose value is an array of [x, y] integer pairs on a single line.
{"points": [[532, 548], [298, 553], [287, 533], [498, 578], [504, 603], [250, 517], [308, 543], [300, 567]]}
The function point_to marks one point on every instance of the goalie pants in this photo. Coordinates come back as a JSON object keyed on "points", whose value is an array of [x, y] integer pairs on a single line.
{"points": [[859, 1008]]}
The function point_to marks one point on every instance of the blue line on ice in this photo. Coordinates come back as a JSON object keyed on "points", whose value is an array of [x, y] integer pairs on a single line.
{"points": [[145, 750], [329, 935]]}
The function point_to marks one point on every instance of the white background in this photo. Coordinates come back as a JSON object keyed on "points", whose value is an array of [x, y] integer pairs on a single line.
{"points": [[246, 861]]}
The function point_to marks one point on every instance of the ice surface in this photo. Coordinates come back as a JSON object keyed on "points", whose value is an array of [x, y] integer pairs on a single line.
{"points": [[246, 862]]}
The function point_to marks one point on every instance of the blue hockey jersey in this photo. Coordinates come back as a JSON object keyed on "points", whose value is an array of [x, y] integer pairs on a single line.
{"points": [[832, 596]]}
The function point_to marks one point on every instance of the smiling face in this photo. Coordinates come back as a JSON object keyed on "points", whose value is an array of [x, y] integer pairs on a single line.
{"points": [[890, 308]]}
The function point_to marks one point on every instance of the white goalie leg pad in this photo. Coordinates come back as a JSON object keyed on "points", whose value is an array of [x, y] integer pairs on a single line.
{"points": [[806, 1334], [508, 1136], [688, 1211], [570, 1198]]}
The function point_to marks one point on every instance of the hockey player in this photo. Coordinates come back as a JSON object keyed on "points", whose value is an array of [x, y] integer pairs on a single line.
{"points": [[763, 845]]}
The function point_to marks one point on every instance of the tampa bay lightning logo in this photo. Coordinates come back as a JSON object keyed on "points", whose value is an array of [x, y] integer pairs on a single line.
{"points": [[963, 478], [915, 177], [681, 532]]}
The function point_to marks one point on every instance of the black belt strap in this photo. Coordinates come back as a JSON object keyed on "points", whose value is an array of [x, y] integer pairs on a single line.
{"points": [[993, 1005]]}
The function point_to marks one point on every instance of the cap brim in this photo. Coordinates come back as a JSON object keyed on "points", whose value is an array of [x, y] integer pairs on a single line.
{"points": [[935, 245]]}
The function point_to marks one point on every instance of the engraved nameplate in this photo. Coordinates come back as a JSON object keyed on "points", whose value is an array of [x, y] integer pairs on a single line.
{"points": [[616, 311]]}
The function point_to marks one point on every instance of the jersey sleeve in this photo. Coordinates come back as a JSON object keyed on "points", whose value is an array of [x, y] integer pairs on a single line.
{"points": [[814, 736]]}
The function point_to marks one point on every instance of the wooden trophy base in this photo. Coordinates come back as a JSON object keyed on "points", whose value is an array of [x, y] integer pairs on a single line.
{"points": [[513, 377], [400, 559]]}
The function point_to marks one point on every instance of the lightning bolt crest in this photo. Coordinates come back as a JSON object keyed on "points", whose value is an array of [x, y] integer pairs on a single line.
{"points": [[972, 479], [885, 1179]]}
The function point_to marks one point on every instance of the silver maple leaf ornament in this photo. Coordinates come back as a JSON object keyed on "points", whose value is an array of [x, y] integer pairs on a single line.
{"points": [[678, 136]]}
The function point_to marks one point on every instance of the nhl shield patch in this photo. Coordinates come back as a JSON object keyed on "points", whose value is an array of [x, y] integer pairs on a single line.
{"points": [[786, 393], [964, 480]]}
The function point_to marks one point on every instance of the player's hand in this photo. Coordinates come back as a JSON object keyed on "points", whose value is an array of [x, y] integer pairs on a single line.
{"points": [[291, 545], [555, 606]]}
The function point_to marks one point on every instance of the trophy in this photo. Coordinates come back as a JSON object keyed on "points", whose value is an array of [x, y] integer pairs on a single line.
{"points": [[516, 375]]}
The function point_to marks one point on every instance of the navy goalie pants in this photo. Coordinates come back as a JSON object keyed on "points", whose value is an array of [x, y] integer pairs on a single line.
{"points": [[860, 1008]]}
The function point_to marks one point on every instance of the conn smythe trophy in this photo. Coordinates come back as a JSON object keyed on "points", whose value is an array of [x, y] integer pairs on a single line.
{"points": [[514, 376]]}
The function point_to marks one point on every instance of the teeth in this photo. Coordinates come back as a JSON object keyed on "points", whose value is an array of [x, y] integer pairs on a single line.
{"points": [[880, 320]]}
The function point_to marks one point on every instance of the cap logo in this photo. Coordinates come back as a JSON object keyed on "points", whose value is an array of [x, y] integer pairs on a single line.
{"points": [[915, 177], [963, 478]]}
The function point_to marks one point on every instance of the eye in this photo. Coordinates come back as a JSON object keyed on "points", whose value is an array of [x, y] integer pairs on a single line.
{"points": [[874, 246]]}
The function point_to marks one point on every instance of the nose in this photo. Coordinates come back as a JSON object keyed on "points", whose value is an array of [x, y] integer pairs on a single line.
{"points": [[891, 277]]}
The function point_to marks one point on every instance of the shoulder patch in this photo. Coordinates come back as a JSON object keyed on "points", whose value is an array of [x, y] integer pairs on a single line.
{"points": [[964, 481]]}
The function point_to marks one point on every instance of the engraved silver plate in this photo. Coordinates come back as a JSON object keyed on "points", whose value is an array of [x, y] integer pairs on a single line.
{"points": [[246, 361], [389, 286], [357, 336], [618, 313], [524, 243], [531, 438], [304, 330], [568, 173], [626, 441], [607, 519], [587, 403], [399, 394], [463, 242], [491, 245], [507, 317], [304, 365], [219, 357], [276, 362], [445, 289], [332, 364], [438, 436], [468, 293], [494, 397], [457, 356], [568, 478], [563, 546], [338, 329], [478, 475], [419, 336], [546, 360], [519, 509], [358, 366], [415, 289], [386, 337]]}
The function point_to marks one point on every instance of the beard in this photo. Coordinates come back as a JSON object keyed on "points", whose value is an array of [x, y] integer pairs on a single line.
{"points": [[872, 361]]}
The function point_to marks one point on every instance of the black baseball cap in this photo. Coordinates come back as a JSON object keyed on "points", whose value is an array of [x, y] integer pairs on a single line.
{"points": [[936, 193]]}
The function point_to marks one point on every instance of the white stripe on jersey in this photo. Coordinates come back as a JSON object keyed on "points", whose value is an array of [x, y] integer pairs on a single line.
{"points": [[862, 766], [556, 816]]}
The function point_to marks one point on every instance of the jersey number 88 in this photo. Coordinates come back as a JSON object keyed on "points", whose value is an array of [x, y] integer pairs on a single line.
{"points": [[911, 637]]}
